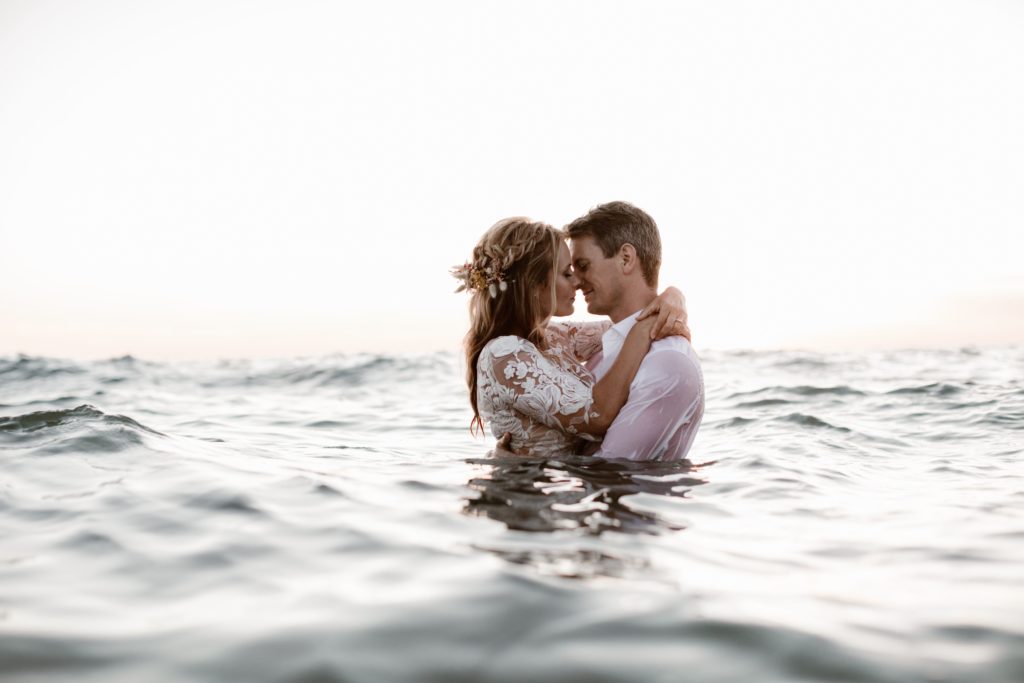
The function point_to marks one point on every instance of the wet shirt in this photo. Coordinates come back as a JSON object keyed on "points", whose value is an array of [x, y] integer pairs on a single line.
{"points": [[666, 398]]}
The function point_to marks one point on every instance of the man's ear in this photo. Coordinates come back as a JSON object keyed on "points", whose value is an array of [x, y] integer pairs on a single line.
{"points": [[627, 258]]}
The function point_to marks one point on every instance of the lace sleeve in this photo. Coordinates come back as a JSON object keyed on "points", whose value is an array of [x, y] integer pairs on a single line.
{"points": [[515, 373], [581, 339]]}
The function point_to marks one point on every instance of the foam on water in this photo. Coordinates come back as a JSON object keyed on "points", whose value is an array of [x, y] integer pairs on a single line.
{"points": [[843, 517]]}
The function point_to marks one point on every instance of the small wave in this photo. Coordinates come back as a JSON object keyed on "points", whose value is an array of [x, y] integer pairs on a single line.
{"points": [[735, 422], [24, 368], [318, 374], [764, 403], [810, 421], [84, 429], [50, 401], [127, 359], [803, 362], [1012, 420], [43, 419], [224, 501], [933, 389], [840, 390], [91, 541], [341, 371], [803, 390]]}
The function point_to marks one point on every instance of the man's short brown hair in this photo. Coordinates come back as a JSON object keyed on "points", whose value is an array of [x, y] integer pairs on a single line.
{"points": [[617, 223]]}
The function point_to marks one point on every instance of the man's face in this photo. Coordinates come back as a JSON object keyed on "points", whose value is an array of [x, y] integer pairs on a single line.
{"points": [[600, 278]]}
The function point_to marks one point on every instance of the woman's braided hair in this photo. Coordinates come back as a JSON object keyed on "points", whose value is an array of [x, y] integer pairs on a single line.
{"points": [[511, 279]]}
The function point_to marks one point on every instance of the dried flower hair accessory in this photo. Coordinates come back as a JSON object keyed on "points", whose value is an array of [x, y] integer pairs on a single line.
{"points": [[477, 278]]}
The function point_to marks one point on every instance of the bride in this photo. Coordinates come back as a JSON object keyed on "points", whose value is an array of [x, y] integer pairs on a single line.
{"points": [[526, 375]]}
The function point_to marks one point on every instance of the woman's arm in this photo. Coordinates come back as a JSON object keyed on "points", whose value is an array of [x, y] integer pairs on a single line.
{"points": [[544, 392], [670, 306]]}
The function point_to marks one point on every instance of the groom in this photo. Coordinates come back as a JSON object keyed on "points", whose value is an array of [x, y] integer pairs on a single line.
{"points": [[616, 253]]}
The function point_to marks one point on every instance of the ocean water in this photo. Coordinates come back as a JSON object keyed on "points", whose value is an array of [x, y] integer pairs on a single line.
{"points": [[842, 518]]}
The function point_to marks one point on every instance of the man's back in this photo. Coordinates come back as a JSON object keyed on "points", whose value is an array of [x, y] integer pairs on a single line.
{"points": [[666, 399]]}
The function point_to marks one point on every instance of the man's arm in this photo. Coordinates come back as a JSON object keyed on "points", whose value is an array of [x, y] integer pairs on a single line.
{"points": [[666, 395]]}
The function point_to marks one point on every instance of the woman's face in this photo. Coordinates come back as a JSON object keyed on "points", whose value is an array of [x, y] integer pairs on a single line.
{"points": [[565, 282]]}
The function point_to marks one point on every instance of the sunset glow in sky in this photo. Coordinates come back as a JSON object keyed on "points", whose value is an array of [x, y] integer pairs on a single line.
{"points": [[204, 179]]}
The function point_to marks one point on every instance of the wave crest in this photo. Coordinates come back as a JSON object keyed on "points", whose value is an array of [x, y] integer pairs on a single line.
{"points": [[84, 428]]}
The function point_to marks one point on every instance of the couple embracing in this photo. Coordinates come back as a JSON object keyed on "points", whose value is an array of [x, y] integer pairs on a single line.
{"points": [[629, 387]]}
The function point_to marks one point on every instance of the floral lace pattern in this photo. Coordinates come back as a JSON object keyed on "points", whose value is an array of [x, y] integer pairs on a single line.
{"points": [[539, 398], [580, 340]]}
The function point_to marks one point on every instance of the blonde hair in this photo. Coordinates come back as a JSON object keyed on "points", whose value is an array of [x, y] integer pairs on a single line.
{"points": [[527, 253]]}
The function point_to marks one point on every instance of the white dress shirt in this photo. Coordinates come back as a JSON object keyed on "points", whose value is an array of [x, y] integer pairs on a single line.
{"points": [[666, 398]]}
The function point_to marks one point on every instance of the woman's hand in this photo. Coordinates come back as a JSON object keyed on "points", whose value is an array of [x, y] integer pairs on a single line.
{"points": [[645, 328], [670, 307]]}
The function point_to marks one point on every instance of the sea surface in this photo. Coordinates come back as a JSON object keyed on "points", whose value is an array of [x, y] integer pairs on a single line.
{"points": [[843, 517]]}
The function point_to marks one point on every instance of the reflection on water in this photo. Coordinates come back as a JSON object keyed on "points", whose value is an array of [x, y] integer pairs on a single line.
{"points": [[581, 498], [305, 520]]}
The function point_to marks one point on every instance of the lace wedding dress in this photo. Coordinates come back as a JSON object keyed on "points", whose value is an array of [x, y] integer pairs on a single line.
{"points": [[540, 397]]}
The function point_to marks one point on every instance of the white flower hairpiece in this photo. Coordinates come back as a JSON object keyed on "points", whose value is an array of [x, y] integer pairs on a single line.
{"points": [[478, 278]]}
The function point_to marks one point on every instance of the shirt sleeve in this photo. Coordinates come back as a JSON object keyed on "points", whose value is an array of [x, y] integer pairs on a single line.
{"points": [[582, 339], [521, 376], [666, 395]]}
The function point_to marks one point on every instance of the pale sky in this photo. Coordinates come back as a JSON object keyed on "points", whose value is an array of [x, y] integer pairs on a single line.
{"points": [[240, 178]]}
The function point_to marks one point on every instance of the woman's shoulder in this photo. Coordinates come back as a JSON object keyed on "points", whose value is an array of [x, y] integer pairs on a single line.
{"points": [[508, 345], [576, 327]]}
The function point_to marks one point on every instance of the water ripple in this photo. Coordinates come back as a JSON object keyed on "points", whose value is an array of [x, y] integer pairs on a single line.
{"points": [[305, 519]]}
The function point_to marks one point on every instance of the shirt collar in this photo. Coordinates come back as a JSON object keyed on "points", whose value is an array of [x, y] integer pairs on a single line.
{"points": [[618, 331]]}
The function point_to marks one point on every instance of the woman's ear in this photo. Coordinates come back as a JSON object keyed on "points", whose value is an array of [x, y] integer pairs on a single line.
{"points": [[627, 258]]}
